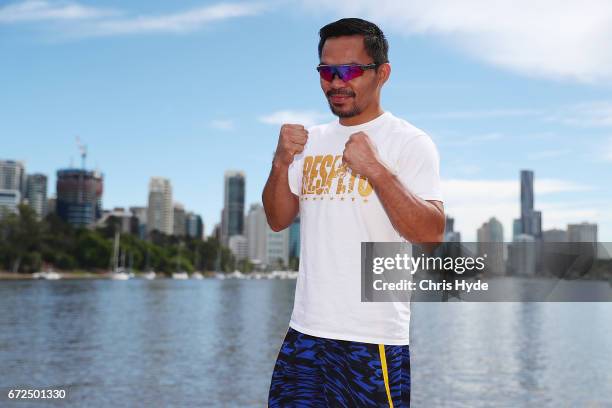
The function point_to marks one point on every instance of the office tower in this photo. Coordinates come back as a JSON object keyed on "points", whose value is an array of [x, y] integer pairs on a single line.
{"points": [[294, 238], [120, 219], [277, 248], [239, 247], [491, 245], [36, 193], [179, 220], [232, 220], [9, 200], [51, 205], [79, 196], [522, 255], [531, 220], [554, 235], [139, 221], [517, 228], [13, 176], [583, 232], [256, 233], [160, 213], [194, 227], [526, 195], [450, 235]]}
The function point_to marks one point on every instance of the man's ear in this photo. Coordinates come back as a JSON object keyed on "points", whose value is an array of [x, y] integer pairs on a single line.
{"points": [[384, 72]]}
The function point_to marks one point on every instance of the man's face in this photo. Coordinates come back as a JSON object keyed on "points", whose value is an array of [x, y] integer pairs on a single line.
{"points": [[348, 99]]}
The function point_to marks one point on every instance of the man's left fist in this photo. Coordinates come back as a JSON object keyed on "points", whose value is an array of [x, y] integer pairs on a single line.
{"points": [[361, 155]]}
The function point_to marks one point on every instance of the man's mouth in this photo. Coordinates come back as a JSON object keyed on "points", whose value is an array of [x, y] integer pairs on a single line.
{"points": [[339, 97]]}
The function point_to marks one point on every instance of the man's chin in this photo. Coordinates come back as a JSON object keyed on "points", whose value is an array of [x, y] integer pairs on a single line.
{"points": [[344, 113]]}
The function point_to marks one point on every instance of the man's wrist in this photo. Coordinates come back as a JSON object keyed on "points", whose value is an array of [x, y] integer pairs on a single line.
{"points": [[380, 174]]}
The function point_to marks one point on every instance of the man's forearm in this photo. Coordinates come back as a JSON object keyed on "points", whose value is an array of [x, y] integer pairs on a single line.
{"points": [[280, 204], [417, 220]]}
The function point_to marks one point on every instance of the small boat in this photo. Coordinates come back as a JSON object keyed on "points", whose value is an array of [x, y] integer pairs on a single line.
{"points": [[118, 272], [197, 275], [47, 275], [180, 275], [149, 275]]}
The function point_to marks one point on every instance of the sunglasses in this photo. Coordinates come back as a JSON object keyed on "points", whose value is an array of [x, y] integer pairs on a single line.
{"points": [[345, 72]]}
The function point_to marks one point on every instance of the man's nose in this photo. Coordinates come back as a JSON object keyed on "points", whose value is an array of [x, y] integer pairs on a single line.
{"points": [[337, 82]]}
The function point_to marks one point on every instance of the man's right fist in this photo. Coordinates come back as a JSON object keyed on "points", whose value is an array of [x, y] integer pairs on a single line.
{"points": [[291, 141]]}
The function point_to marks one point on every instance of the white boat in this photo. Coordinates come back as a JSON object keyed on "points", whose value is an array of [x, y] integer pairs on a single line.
{"points": [[119, 275], [118, 272], [197, 275], [149, 275], [236, 274], [180, 275], [48, 275]]}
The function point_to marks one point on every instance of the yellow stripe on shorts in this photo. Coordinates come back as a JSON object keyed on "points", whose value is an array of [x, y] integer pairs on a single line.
{"points": [[383, 362]]}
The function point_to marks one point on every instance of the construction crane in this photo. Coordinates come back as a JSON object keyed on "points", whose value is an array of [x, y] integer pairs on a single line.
{"points": [[83, 150]]}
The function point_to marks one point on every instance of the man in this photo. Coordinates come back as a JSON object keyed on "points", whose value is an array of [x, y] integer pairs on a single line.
{"points": [[368, 177]]}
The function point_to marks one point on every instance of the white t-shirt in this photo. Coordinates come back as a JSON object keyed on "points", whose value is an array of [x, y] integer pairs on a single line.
{"points": [[339, 211]]}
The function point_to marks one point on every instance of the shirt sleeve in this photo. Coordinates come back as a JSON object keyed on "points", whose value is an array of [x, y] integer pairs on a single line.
{"points": [[295, 174], [418, 168]]}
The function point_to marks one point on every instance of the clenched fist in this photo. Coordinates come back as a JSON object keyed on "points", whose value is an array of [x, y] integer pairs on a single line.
{"points": [[361, 155], [291, 141]]}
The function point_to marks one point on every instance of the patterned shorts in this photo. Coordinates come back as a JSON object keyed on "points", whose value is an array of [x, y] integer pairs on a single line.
{"points": [[318, 372]]}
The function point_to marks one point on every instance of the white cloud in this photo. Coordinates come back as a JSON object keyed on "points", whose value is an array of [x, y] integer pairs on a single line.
{"points": [[174, 23], [586, 114], [547, 154], [301, 117], [222, 124], [472, 202], [40, 10], [89, 21], [548, 38]]}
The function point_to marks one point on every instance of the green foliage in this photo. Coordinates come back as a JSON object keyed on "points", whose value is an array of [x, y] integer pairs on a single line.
{"points": [[27, 244]]}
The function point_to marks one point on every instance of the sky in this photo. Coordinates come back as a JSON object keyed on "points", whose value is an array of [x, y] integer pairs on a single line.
{"points": [[189, 89]]}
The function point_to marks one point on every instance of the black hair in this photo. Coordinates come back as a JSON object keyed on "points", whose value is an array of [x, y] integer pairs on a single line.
{"points": [[374, 40]]}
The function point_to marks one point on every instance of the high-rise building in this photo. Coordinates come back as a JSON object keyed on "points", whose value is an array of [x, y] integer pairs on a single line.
{"points": [[523, 255], [554, 235], [139, 215], [79, 196], [277, 248], [36, 193], [531, 220], [583, 232], [179, 220], [13, 176], [450, 235], [239, 247], [294, 238], [491, 245], [526, 194], [160, 213], [256, 233], [9, 200], [232, 220], [194, 227]]}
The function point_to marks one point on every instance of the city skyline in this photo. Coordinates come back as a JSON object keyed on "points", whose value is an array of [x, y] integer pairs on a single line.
{"points": [[137, 85], [234, 182]]}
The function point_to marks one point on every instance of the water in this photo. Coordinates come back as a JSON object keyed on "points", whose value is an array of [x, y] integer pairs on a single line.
{"points": [[214, 342]]}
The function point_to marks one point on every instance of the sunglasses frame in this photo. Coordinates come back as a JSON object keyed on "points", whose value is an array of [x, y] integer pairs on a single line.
{"points": [[335, 71]]}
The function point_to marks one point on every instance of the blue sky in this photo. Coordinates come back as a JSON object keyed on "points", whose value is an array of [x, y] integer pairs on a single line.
{"points": [[189, 89]]}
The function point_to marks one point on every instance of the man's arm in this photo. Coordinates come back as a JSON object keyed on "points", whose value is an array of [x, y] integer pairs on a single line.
{"points": [[280, 204], [417, 220]]}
